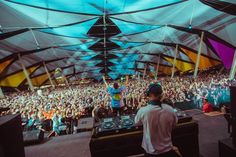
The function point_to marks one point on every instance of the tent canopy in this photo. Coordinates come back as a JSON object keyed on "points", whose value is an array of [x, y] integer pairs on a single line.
{"points": [[88, 39]]}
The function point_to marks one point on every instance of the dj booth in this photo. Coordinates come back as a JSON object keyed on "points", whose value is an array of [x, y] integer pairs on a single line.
{"points": [[119, 137]]}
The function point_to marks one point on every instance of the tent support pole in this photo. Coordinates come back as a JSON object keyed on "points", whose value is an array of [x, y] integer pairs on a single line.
{"points": [[145, 70], [233, 68], [67, 82], [104, 35], [198, 56], [26, 73], [135, 68], [173, 68], [17, 90], [49, 76], [36, 41], [1, 93], [157, 69]]}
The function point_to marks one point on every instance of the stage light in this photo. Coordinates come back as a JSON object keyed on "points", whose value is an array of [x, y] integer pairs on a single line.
{"points": [[189, 26], [1, 30]]}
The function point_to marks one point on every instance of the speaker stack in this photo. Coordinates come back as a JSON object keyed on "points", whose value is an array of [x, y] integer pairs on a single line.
{"points": [[11, 138], [233, 111], [227, 147], [33, 137]]}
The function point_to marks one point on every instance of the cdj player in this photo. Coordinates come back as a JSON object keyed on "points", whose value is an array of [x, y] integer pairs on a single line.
{"points": [[124, 124], [114, 125]]}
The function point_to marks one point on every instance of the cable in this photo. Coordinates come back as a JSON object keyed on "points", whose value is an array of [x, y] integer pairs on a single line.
{"points": [[124, 4], [104, 33], [47, 13], [1, 30], [38, 46], [191, 17]]}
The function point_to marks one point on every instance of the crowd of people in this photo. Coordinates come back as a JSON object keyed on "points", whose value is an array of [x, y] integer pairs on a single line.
{"points": [[213, 87], [61, 106]]}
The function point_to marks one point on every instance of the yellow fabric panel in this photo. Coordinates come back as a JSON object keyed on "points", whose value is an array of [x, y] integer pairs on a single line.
{"points": [[37, 81], [204, 61], [3, 65], [181, 65], [16, 79]]}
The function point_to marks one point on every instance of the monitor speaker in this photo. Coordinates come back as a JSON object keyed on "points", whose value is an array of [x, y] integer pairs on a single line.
{"points": [[11, 138], [33, 137], [233, 100], [233, 111]]}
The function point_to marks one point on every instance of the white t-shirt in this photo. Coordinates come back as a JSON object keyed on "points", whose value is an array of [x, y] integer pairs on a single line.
{"points": [[158, 124], [40, 92]]}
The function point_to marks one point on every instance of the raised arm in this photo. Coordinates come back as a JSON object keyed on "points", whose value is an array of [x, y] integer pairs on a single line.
{"points": [[105, 82], [127, 80]]}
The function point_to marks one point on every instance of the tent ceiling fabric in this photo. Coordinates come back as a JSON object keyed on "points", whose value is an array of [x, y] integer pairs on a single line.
{"points": [[77, 30], [114, 37], [91, 7], [228, 7]]}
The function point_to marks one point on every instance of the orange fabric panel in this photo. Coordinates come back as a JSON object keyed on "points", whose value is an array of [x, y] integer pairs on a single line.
{"points": [[3, 65], [180, 65], [165, 69], [204, 63], [16, 79]]}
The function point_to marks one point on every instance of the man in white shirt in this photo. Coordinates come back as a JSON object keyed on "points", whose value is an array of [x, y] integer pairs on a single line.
{"points": [[158, 120]]}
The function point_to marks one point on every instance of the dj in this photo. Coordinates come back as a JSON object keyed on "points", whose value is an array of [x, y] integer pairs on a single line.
{"points": [[158, 120], [116, 95]]}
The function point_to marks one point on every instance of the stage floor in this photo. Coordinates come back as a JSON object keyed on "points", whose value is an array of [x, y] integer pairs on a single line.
{"points": [[211, 129], [76, 145]]}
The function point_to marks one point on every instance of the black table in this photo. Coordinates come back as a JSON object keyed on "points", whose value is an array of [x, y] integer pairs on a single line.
{"points": [[184, 136], [226, 148]]}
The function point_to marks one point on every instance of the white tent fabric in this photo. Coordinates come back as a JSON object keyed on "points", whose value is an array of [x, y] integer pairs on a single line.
{"points": [[57, 33]]}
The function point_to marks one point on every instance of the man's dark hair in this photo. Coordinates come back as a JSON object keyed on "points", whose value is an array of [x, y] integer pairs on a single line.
{"points": [[116, 85], [155, 89]]}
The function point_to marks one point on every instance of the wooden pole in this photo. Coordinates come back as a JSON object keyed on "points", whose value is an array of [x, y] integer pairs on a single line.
{"points": [[158, 63], [35, 39], [173, 68], [67, 82], [145, 70], [233, 68], [198, 56], [1, 93], [48, 74], [26, 73]]}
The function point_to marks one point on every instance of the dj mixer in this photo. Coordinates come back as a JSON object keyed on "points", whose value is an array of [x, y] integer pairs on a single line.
{"points": [[124, 124]]}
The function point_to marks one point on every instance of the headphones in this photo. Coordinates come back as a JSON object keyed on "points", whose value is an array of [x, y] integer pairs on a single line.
{"points": [[148, 92], [150, 87]]}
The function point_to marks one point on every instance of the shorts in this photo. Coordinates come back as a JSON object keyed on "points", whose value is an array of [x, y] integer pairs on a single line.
{"points": [[116, 109]]}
